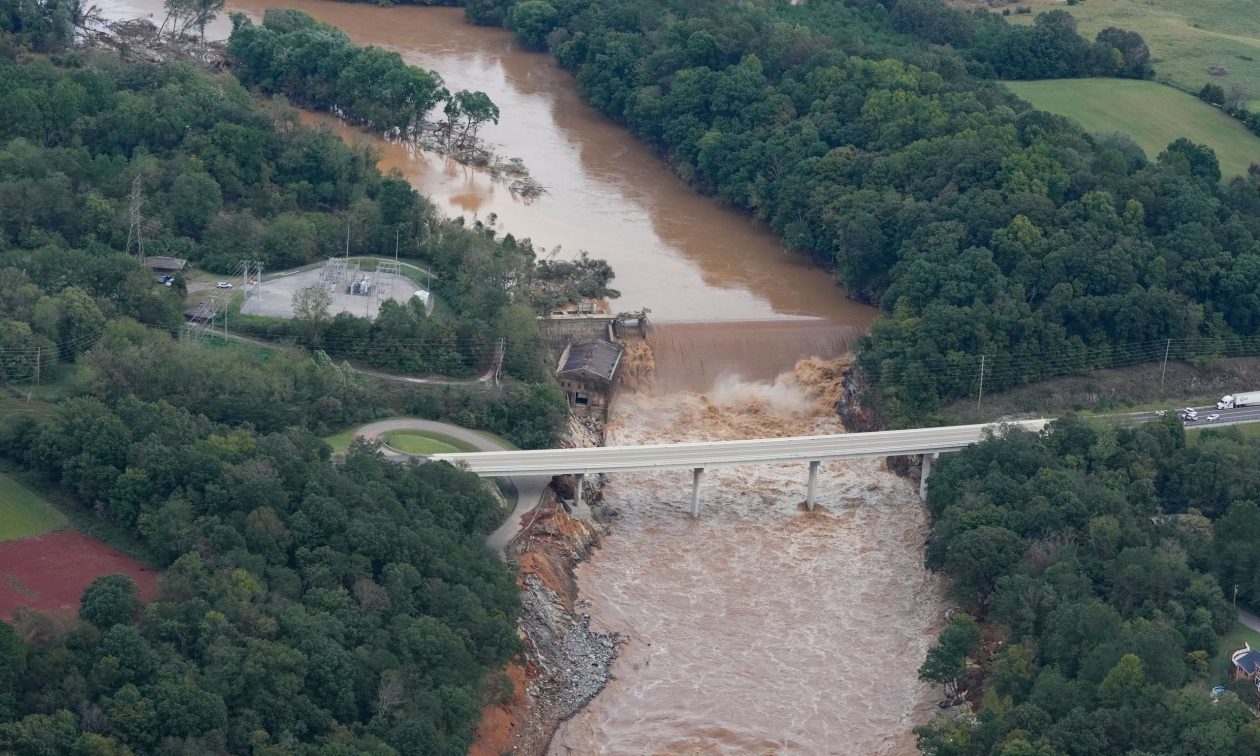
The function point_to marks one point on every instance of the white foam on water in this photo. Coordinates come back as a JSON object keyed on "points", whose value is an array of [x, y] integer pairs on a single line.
{"points": [[760, 627]]}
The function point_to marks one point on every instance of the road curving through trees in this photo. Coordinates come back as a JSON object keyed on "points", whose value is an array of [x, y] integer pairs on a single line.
{"points": [[529, 488]]}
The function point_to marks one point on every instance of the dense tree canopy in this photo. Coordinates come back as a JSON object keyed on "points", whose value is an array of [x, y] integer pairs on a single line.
{"points": [[220, 180], [1094, 555], [41, 25], [981, 227], [317, 66], [305, 607]]}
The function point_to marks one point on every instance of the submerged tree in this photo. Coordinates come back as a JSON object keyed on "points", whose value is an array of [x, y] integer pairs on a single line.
{"points": [[182, 16], [466, 112]]}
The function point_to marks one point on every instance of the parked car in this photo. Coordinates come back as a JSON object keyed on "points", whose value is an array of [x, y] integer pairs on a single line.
{"points": [[1213, 417], [223, 285]]}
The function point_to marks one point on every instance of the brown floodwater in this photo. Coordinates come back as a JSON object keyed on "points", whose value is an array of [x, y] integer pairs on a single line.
{"points": [[674, 251], [759, 628]]}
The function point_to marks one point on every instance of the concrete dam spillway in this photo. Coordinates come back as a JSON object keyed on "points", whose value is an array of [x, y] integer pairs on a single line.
{"points": [[761, 627], [696, 356]]}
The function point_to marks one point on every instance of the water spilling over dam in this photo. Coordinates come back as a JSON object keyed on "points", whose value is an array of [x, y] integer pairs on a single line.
{"points": [[693, 356]]}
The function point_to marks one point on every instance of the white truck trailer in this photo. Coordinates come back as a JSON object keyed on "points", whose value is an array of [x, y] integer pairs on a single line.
{"points": [[1230, 401]]}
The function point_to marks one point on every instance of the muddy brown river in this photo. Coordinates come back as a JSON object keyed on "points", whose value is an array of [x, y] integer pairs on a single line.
{"points": [[674, 252], [759, 628]]}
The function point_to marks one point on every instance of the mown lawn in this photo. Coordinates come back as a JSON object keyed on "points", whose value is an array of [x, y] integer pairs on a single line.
{"points": [[1186, 37], [24, 513], [1218, 672], [1153, 114], [423, 442], [1249, 430], [340, 442]]}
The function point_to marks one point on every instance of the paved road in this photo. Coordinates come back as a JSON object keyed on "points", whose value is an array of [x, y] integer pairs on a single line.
{"points": [[529, 488], [483, 380], [713, 453], [1249, 619], [769, 450], [1228, 416]]}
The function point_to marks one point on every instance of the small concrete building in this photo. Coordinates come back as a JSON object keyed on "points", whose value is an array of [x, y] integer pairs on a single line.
{"points": [[164, 264], [588, 374]]}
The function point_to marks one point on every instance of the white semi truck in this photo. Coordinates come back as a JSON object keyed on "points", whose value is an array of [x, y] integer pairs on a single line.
{"points": [[1230, 401]]}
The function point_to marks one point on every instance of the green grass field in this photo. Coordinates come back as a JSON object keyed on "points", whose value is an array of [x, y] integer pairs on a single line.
{"points": [[422, 442], [25, 513], [1230, 642], [1185, 37], [1250, 430], [340, 442], [1153, 114]]}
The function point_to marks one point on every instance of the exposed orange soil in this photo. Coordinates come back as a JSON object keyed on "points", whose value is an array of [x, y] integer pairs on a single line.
{"points": [[549, 549], [499, 722], [49, 572]]}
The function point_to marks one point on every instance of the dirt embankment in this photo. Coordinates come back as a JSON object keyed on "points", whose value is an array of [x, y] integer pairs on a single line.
{"points": [[859, 416], [565, 663]]}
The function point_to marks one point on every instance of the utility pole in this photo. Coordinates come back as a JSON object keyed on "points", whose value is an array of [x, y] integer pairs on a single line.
{"points": [[1235, 597], [500, 352], [39, 354], [980, 394], [1164, 369]]}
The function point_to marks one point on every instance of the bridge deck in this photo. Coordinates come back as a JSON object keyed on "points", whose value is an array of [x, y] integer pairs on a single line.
{"points": [[713, 453]]}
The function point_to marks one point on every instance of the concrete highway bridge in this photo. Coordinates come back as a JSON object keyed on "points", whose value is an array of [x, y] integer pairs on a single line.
{"points": [[811, 450], [699, 456]]}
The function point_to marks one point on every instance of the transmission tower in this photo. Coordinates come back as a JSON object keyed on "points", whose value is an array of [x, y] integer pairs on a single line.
{"points": [[135, 223]]}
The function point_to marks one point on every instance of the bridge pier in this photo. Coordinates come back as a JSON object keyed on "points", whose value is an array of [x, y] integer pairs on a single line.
{"points": [[813, 484], [578, 480], [925, 470], [697, 475]]}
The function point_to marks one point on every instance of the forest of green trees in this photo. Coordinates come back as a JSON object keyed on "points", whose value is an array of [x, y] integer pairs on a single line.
{"points": [[981, 227], [305, 606], [318, 608], [1097, 557], [223, 180]]}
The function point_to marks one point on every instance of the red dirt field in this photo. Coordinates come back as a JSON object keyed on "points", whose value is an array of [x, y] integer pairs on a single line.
{"points": [[49, 572]]}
